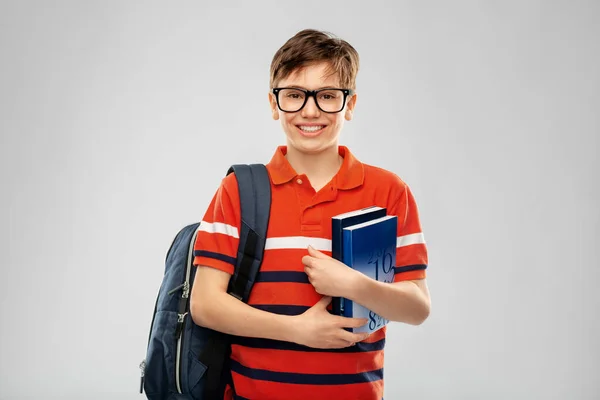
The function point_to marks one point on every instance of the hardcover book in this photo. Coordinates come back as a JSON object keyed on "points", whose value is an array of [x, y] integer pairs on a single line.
{"points": [[370, 248], [338, 223]]}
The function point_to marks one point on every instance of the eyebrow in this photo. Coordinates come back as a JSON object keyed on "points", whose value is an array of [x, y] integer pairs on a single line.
{"points": [[319, 88]]}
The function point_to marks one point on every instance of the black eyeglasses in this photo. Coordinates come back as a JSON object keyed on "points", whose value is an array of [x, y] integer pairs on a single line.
{"points": [[329, 100]]}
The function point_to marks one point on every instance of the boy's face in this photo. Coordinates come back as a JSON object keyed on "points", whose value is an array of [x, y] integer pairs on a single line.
{"points": [[329, 125]]}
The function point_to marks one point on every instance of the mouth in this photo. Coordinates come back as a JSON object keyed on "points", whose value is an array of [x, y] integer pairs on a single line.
{"points": [[310, 130]]}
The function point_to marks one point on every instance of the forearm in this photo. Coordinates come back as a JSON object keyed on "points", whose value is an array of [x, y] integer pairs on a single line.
{"points": [[401, 301], [226, 314]]}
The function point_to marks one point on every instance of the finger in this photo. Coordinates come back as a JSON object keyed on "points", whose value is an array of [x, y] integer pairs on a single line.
{"points": [[344, 343], [315, 253], [335, 343], [354, 337], [346, 338], [310, 280], [351, 322], [308, 261], [324, 302]]}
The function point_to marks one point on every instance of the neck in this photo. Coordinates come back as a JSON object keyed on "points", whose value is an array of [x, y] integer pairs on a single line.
{"points": [[320, 167]]}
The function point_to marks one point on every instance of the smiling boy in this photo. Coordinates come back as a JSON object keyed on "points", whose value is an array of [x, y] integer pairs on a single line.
{"points": [[289, 346]]}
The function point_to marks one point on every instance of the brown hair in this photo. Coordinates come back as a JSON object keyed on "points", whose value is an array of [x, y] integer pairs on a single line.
{"points": [[312, 46]]}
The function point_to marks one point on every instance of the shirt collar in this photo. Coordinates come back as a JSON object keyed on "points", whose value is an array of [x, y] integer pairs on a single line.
{"points": [[349, 176]]}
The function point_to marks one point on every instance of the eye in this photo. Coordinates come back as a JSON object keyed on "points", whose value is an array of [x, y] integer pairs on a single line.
{"points": [[292, 94], [328, 95]]}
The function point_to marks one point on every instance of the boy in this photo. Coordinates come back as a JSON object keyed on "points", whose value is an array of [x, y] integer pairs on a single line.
{"points": [[290, 346]]}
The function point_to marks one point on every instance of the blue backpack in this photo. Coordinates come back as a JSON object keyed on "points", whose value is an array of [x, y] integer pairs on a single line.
{"points": [[184, 360]]}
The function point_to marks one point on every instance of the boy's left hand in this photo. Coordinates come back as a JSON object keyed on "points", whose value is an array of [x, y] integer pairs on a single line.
{"points": [[329, 276]]}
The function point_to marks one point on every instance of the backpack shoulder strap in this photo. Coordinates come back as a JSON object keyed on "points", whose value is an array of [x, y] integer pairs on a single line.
{"points": [[255, 204]]}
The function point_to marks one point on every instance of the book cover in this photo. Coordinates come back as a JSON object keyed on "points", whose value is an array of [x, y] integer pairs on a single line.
{"points": [[370, 248], [338, 223]]}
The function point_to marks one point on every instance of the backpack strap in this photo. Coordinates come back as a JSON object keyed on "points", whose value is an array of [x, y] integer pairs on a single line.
{"points": [[255, 202]]}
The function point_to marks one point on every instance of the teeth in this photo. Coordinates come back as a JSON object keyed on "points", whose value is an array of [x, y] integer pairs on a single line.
{"points": [[311, 128]]}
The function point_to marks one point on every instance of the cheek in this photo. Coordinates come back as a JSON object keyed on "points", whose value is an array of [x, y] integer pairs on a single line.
{"points": [[287, 120], [336, 121]]}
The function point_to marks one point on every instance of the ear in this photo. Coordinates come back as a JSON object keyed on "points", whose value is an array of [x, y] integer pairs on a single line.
{"points": [[273, 105], [350, 107]]}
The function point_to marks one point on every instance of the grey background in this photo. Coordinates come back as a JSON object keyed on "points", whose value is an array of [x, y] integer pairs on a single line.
{"points": [[119, 119]]}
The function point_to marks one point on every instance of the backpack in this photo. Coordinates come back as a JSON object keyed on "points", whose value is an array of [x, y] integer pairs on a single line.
{"points": [[184, 360]]}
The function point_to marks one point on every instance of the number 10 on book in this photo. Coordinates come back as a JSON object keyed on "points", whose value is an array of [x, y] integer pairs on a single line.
{"points": [[383, 261]]}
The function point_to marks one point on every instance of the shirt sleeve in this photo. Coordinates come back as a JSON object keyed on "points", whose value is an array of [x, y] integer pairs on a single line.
{"points": [[217, 240], [411, 249]]}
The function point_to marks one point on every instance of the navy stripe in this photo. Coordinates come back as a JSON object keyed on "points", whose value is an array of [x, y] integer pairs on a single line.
{"points": [[281, 309], [282, 276], [259, 343], [306, 379], [238, 397], [216, 256], [409, 268]]}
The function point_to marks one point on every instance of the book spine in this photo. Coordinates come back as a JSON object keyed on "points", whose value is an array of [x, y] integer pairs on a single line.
{"points": [[336, 253], [348, 259]]}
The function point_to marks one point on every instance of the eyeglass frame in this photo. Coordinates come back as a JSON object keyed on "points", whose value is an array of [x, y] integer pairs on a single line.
{"points": [[313, 93]]}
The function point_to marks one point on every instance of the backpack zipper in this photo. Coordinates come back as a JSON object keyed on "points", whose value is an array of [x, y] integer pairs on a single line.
{"points": [[143, 370], [143, 363], [180, 323], [185, 294]]}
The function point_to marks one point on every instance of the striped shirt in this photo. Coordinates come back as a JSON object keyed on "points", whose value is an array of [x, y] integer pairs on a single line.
{"points": [[269, 369]]}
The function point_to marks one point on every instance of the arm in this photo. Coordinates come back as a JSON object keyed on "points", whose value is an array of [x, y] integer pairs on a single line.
{"points": [[212, 307], [403, 301], [407, 298], [214, 257]]}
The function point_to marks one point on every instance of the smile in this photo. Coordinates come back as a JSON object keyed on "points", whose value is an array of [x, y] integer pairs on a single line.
{"points": [[311, 129]]}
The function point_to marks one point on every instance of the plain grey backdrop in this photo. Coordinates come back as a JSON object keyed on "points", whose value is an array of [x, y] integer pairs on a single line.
{"points": [[120, 118]]}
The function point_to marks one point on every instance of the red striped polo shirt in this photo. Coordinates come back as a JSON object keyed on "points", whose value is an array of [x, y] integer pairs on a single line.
{"points": [[268, 369]]}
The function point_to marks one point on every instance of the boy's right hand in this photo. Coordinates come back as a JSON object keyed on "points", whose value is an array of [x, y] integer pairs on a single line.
{"points": [[318, 328]]}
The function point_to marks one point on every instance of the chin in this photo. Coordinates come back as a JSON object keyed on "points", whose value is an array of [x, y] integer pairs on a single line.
{"points": [[311, 146]]}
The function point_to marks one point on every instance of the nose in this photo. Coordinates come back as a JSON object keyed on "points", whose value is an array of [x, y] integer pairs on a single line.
{"points": [[310, 109]]}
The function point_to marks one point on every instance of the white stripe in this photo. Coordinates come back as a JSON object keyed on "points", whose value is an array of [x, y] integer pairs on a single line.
{"points": [[297, 242], [302, 242], [407, 240], [219, 227]]}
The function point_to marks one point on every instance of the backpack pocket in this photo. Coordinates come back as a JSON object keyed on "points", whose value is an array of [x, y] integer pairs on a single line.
{"points": [[195, 375], [194, 371], [161, 357]]}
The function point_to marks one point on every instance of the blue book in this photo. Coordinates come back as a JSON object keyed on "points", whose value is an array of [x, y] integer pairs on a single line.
{"points": [[370, 248], [338, 223]]}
